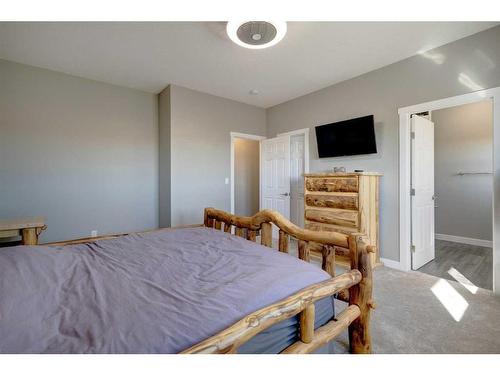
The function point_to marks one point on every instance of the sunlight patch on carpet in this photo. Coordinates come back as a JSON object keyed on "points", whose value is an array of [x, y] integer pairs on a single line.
{"points": [[450, 299]]}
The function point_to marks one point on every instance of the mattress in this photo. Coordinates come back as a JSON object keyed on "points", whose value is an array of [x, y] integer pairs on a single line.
{"points": [[155, 292], [283, 334]]}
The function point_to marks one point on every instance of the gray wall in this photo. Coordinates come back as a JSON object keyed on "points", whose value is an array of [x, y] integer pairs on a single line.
{"points": [[463, 141], [164, 151], [81, 153], [200, 150], [456, 68], [246, 176]]}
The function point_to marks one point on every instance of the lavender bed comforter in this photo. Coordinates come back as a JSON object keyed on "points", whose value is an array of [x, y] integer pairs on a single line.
{"points": [[156, 292]]}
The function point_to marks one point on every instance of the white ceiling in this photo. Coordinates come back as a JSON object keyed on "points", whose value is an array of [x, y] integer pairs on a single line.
{"points": [[200, 56]]}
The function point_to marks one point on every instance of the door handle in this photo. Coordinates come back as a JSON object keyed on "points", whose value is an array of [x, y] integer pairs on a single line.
{"points": [[285, 194]]}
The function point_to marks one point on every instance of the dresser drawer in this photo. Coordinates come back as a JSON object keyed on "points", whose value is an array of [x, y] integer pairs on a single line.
{"points": [[346, 202], [322, 227], [332, 184], [333, 216]]}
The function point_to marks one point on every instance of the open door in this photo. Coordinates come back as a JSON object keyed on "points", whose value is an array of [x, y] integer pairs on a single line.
{"points": [[275, 175], [422, 200]]}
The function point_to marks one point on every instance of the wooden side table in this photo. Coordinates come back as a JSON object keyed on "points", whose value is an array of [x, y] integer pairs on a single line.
{"points": [[28, 228]]}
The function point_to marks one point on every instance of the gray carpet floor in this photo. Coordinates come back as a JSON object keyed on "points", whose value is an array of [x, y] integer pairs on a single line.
{"points": [[410, 317], [474, 262]]}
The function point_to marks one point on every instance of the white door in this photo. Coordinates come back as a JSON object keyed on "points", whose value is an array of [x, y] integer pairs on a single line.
{"points": [[422, 179], [297, 180], [275, 175]]}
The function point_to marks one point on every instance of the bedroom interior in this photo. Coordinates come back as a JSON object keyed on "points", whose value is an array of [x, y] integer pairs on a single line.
{"points": [[190, 188]]}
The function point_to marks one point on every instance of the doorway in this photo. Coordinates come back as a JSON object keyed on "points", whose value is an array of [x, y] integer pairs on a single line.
{"points": [[450, 190], [457, 174], [245, 172], [281, 163]]}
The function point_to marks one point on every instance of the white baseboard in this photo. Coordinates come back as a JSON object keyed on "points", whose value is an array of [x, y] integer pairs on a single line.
{"points": [[391, 263], [466, 240]]}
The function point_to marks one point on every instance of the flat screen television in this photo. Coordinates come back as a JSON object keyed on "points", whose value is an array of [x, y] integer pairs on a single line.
{"points": [[349, 137]]}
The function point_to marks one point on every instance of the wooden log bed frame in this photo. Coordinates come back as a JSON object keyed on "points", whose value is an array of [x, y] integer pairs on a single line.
{"points": [[353, 287]]}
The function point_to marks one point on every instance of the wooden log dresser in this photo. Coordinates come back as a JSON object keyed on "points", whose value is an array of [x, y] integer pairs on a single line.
{"points": [[346, 203]]}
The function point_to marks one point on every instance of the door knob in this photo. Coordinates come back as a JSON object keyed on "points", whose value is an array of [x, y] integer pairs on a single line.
{"points": [[285, 194]]}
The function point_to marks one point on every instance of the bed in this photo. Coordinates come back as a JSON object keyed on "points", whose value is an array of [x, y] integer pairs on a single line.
{"points": [[200, 289]]}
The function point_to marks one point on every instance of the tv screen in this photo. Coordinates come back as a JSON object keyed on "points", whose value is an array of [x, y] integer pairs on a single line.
{"points": [[349, 137]]}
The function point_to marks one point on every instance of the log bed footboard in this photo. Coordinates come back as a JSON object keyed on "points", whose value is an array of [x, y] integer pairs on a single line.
{"points": [[301, 302], [354, 287]]}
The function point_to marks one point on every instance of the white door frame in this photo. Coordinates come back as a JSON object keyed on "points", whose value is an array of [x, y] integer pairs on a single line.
{"points": [[405, 172], [305, 132], [252, 137]]}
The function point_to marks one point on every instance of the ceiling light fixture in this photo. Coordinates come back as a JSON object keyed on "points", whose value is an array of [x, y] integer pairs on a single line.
{"points": [[256, 34]]}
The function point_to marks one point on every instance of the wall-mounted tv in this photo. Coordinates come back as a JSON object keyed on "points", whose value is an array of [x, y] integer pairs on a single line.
{"points": [[349, 137]]}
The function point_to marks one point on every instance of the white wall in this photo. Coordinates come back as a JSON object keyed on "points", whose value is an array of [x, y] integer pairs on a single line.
{"points": [[246, 176], [84, 154], [463, 141], [456, 68], [200, 145]]}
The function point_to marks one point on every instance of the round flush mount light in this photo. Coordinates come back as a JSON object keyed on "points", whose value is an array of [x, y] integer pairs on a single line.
{"points": [[256, 34]]}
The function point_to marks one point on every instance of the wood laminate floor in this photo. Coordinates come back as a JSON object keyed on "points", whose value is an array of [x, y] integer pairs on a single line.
{"points": [[473, 262]]}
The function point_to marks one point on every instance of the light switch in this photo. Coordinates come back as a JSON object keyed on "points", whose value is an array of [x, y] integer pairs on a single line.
{"points": [[226, 180]]}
